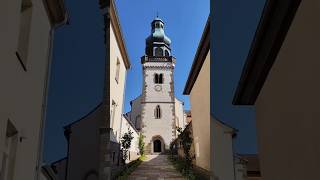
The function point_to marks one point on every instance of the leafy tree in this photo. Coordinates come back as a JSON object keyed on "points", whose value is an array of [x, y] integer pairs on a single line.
{"points": [[141, 144], [126, 143]]}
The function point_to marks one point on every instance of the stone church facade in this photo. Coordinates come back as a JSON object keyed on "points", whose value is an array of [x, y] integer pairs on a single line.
{"points": [[157, 113]]}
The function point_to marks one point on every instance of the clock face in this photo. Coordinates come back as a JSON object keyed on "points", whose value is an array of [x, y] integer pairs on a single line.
{"points": [[157, 87]]}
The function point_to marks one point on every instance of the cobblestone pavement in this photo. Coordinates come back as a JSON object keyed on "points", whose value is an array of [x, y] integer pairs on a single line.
{"points": [[155, 167]]}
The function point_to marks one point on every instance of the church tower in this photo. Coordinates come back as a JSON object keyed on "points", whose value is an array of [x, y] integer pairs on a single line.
{"points": [[158, 115]]}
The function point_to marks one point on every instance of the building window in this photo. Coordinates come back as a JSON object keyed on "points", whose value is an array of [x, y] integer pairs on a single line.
{"points": [[117, 70], [157, 112], [166, 52], [158, 78], [158, 51], [9, 152], [24, 32], [113, 109]]}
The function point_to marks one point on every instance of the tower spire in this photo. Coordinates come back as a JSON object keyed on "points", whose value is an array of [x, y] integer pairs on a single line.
{"points": [[158, 44]]}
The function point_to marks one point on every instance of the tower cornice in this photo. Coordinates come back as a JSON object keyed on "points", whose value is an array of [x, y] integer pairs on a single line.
{"points": [[146, 58]]}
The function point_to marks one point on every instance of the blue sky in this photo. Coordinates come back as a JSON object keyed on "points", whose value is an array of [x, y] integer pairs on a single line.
{"points": [[77, 73], [233, 26], [184, 23]]}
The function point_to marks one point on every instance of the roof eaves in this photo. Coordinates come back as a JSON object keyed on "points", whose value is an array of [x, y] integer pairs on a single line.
{"points": [[274, 24], [202, 50]]}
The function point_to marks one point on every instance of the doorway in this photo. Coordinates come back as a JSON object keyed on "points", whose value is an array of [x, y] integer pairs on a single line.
{"points": [[157, 146]]}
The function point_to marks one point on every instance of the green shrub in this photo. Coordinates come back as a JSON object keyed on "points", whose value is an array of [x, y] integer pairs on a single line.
{"points": [[141, 144]]}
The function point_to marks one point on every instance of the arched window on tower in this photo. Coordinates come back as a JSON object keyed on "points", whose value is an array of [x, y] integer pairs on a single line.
{"points": [[158, 78], [158, 52], [166, 52], [157, 112]]}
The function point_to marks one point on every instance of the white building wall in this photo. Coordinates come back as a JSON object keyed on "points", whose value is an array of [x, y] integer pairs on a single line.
{"points": [[151, 94], [162, 127], [116, 88], [22, 92], [158, 127], [134, 149], [180, 116]]}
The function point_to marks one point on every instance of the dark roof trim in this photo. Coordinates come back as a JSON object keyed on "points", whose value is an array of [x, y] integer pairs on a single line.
{"points": [[274, 24], [202, 51], [115, 22], [234, 130], [56, 11], [131, 123], [59, 160], [109, 7], [88, 114]]}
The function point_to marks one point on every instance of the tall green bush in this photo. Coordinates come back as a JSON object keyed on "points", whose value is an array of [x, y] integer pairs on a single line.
{"points": [[141, 144]]}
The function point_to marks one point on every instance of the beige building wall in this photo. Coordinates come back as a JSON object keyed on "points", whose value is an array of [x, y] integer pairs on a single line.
{"points": [[23, 86], [287, 109], [200, 110], [117, 86], [221, 143]]}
